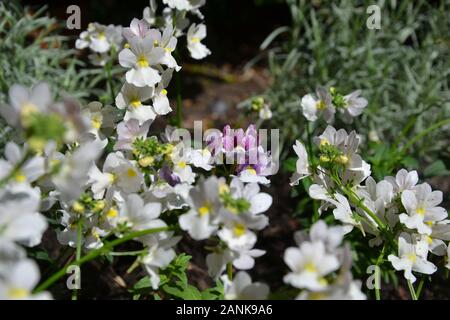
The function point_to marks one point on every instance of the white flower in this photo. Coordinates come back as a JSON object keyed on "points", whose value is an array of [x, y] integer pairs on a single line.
{"points": [[309, 265], [353, 106], [138, 28], [132, 98], [311, 106], [242, 288], [265, 113], [404, 180], [137, 215], [140, 59], [29, 171], [195, 34], [331, 236], [149, 13], [421, 207], [302, 164], [201, 158], [100, 38], [19, 217], [26, 102], [157, 258], [160, 100], [168, 42], [18, 281], [201, 220], [118, 173], [72, 175], [186, 5], [128, 132], [411, 257]]}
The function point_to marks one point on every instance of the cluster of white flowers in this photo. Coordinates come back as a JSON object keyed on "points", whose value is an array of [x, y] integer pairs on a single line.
{"points": [[313, 262], [397, 212], [326, 102], [105, 41]]}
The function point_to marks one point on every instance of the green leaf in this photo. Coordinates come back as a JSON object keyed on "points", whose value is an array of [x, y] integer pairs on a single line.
{"points": [[183, 291], [437, 168]]}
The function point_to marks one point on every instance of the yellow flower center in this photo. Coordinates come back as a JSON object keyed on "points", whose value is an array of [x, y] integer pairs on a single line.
{"points": [[164, 92], [168, 49], [20, 177], [142, 61], [412, 257], [96, 122], [127, 46], [320, 105], [310, 267], [99, 205], [135, 103], [18, 293], [131, 173], [429, 239], [27, 110], [324, 142], [182, 164], [112, 213], [101, 36], [239, 230], [205, 209], [251, 171], [420, 211], [195, 39], [111, 177]]}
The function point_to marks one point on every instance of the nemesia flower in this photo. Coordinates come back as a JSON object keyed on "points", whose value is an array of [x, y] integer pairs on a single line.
{"points": [[132, 98], [118, 174], [128, 132], [201, 221], [18, 280], [29, 172], [353, 106], [411, 258], [242, 288], [309, 265], [20, 220], [100, 38], [72, 170], [26, 102], [421, 207], [160, 100], [140, 59], [330, 236], [404, 180], [302, 164], [157, 258], [186, 5], [195, 35], [311, 106]]}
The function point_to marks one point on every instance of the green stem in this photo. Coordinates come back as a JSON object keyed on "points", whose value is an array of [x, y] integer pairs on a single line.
{"points": [[230, 270], [95, 253], [420, 287], [110, 81], [411, 290]]}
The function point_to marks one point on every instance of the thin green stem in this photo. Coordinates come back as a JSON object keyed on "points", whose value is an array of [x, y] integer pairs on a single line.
{"points": [[230, 270], [411, 290], [420, 287], [94, 254], [127, 253]]}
